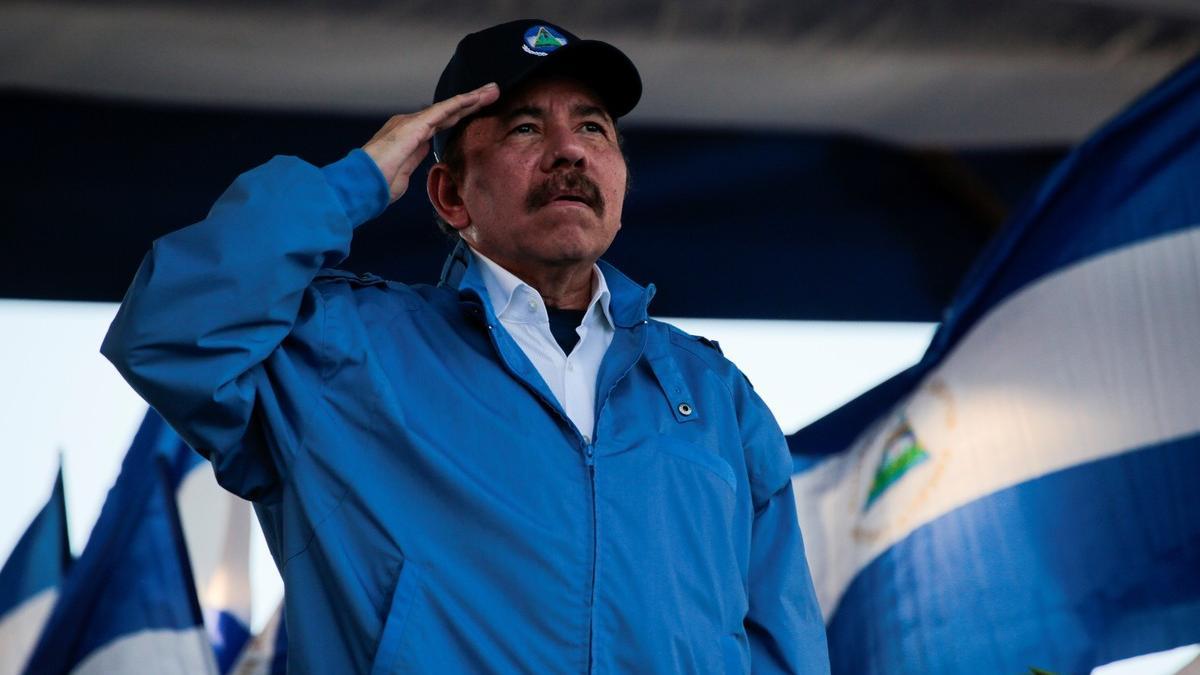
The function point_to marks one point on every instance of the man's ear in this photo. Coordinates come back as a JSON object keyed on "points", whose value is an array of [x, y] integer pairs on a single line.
{"points": [[443, 194]]}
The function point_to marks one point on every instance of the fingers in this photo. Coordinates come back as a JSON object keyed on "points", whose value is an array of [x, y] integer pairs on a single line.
{"points": [[404, 140], [445, 114]]}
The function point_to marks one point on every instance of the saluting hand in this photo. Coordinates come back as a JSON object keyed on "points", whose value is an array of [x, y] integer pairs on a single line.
{"points": [[403, 142]]}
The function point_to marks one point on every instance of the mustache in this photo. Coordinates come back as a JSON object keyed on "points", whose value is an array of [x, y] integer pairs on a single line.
{"points": [[573, 183]]}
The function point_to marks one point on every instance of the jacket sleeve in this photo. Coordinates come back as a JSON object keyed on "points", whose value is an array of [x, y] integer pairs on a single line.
{"points": [[784, 624], [211, 302]]}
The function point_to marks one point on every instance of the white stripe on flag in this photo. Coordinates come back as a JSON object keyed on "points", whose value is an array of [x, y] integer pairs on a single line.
{"points": [[163, 652], [20, 628], [1096, 359]]}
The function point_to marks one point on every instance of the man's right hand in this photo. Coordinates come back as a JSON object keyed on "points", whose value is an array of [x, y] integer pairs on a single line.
{"points": [[403, 142]]}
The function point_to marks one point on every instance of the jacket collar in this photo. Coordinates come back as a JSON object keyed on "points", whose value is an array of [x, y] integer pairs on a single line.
{"points": [[628, 301]]}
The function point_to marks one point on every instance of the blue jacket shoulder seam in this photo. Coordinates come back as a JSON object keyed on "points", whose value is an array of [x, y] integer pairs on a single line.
{"points": [[705, 356]]}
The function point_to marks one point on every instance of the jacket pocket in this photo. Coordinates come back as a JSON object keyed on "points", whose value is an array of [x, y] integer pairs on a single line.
{"points": [[698, 455], [391, 639]]}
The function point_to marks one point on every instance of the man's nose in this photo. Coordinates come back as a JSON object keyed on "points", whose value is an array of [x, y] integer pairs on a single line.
{"points": [[563, 150]]}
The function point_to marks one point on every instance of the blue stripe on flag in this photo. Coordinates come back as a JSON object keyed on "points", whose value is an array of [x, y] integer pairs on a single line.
{"points": [[41, 557]]}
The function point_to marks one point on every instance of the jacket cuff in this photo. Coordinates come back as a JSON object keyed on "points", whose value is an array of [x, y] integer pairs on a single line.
{"points": [[359, 185]]}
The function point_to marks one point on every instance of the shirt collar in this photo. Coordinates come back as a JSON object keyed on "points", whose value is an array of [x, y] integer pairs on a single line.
{"points": [[629, 301], [515, 300]]}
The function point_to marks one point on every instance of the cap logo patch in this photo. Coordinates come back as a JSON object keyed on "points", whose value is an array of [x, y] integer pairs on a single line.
{"points": [[541, 40]]}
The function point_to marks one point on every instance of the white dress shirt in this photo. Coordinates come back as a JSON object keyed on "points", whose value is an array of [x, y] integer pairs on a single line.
{"points": [[522, 312]]}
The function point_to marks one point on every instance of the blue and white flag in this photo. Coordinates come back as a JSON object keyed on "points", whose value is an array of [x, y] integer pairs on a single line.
{"points": [[267, 652], [30, 579], [129, 603], [1026, 495], [216, 529]]}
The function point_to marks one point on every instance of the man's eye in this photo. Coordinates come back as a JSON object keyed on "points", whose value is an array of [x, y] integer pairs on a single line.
{"points": [[594, 127], [523, 129]]}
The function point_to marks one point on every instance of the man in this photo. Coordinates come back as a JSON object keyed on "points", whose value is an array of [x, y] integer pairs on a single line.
{"points": [[514, 471]]}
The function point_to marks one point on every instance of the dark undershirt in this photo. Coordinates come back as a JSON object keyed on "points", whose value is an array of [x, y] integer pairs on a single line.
{"points": [[563, 323]]}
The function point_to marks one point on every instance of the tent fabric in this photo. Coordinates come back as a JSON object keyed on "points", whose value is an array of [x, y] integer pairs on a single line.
{"points": [[946, 72]]}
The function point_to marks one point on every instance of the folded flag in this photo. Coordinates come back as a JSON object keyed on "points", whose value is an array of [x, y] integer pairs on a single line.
{"points": [[1026, 494], [129, 603], [30, 579], [267, 652]]}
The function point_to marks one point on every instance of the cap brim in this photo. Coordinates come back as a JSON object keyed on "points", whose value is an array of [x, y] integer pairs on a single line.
{"points": [[597, 64]]}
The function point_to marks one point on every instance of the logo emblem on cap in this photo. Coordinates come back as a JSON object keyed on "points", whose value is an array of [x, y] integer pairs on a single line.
{"points": [[541, 40]]}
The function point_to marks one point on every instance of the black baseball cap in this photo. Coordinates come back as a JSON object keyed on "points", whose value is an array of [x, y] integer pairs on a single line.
{"points": [[511, 53]]}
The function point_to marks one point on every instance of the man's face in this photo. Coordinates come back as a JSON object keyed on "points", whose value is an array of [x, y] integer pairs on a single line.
{"points": [[543, 177]]}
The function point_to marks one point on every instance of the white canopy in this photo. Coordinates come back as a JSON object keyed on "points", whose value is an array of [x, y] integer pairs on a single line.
{"points": [[953, 72]]}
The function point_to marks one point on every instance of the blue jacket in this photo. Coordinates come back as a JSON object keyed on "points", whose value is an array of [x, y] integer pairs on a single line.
{"points": [[429, 505]]}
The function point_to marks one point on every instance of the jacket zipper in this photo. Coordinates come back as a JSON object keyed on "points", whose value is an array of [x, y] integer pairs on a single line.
{"points": [[589, 459]]}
